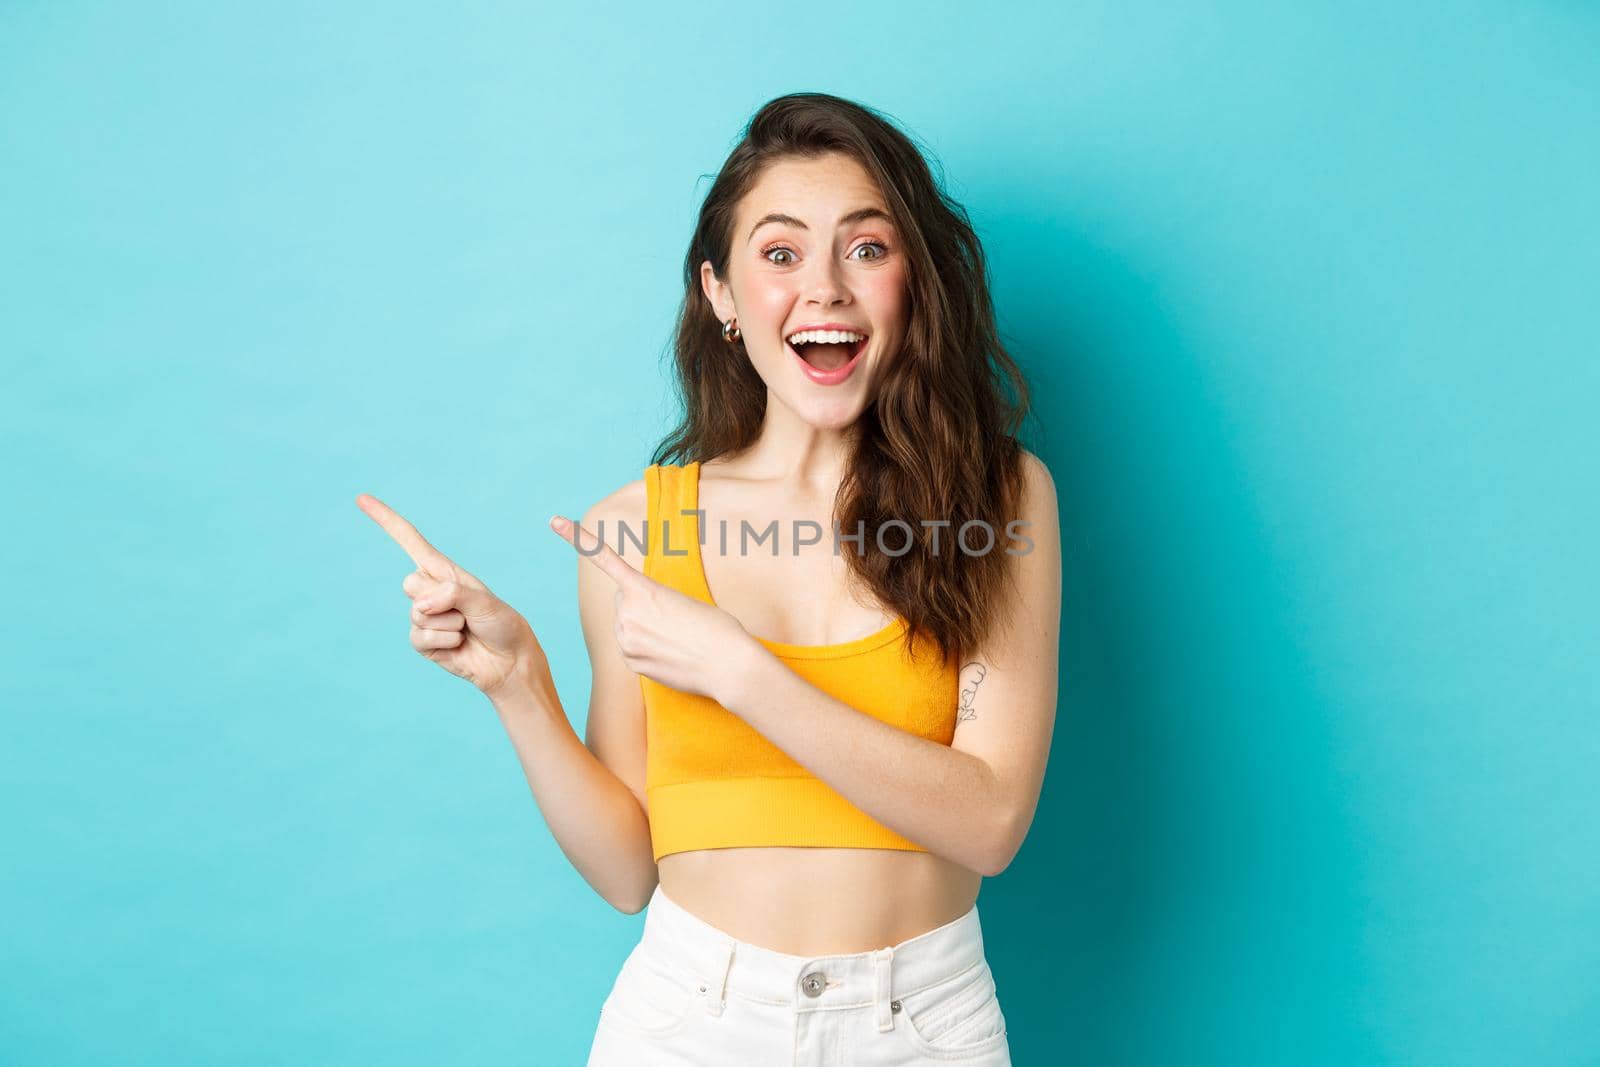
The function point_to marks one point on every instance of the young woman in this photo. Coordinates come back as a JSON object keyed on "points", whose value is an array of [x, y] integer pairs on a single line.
{"points": [[824, 687]]}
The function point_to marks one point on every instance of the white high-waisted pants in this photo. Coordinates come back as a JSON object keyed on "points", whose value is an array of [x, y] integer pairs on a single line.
{"points": [[689, 994]]}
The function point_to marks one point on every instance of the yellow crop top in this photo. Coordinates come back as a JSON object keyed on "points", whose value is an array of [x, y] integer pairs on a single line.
{"points": [[712, 781]]}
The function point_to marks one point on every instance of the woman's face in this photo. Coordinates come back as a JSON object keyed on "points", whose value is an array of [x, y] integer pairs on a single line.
{"points": [[813, 247]]}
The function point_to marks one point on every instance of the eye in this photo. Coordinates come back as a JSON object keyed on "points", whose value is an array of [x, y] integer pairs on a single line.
{"points": [[882, 249], [767, 254]]}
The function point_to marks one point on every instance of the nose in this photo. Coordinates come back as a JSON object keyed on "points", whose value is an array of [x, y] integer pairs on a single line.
{"points": [[824, 282]]}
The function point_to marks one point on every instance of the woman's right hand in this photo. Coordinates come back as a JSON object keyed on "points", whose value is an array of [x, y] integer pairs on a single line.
{"points": [[455, 620]]}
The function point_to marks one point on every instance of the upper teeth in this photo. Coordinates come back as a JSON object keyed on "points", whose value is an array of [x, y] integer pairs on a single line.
{"points": [[826, 337]]}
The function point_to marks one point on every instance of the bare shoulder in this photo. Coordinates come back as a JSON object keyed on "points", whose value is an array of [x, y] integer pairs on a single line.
{"points": [[626, 506], [1036, 564], [1038, 484], [1037, 508], [625, 502]]}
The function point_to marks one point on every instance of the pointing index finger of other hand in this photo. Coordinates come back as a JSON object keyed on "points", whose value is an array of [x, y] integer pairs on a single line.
{"points": [[595, 550]]}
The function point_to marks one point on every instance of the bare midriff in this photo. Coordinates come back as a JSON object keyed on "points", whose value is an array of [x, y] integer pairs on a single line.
{"points": [[819, 901]]}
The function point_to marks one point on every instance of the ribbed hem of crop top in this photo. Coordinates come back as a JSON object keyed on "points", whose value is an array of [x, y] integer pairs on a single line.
{"points": [[760, 811]]}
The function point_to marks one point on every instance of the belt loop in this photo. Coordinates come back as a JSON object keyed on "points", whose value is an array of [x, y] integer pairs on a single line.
{"points": [[881, 964], [717, 999]]}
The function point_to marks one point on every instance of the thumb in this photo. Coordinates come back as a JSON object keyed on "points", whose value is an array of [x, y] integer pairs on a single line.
{"points": [[473, 603]]}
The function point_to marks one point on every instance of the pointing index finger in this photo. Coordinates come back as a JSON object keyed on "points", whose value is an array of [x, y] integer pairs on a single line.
{"points": [[427, 558], [595, 550]]}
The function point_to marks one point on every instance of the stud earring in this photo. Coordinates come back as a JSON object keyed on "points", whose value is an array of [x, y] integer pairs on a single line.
{"points": [[730, 331]]}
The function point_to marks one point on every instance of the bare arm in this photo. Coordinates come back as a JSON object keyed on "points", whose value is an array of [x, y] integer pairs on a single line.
{"points": [[594, 817], [590, 795], [591, 792]]}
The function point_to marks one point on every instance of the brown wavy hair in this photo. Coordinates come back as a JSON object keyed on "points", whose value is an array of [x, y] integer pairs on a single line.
{"points": [[939, 441]]}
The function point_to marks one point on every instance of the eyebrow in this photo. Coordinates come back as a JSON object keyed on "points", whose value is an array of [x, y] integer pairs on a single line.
{"points": [[858, 215]]}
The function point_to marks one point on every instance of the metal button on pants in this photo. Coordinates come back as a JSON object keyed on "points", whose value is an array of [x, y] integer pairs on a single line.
{"points": [[691, 994]]}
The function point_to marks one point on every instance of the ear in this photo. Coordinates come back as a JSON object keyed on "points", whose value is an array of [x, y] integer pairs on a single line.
{"points": [[717, 292]]}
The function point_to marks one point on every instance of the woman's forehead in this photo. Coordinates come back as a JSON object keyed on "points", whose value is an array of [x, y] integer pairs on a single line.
{"points": [[816, 190]]}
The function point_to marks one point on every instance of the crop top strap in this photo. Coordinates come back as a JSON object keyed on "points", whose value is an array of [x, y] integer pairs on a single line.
{"points": [[672, 549], [652, 525]]}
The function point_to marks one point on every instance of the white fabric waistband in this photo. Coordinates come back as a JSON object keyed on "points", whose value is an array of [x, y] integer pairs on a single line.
{"points": [[809, 983]]}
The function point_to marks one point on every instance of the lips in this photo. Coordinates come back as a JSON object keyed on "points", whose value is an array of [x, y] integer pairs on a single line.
{"points": [[829, 376]]}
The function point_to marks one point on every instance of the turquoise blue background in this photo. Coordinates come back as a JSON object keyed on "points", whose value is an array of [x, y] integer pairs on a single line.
{"points": [[1308, 296]]}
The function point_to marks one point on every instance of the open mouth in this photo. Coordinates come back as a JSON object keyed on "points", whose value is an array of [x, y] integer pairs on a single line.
{"points": [[827, 357]]}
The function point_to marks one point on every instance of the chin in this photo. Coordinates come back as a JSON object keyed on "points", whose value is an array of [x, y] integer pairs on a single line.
{"points": [[827, 413]]}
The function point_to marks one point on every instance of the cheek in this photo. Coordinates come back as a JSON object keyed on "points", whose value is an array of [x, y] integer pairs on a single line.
{"points": [[885, 291], [768, 300]]}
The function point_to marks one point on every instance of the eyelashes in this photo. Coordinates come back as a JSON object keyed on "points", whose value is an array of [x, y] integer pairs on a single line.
{"points": [[883, 250]]}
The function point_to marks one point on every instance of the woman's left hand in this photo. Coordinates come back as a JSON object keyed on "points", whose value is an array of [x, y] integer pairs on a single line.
{"points": [[683, 643]]}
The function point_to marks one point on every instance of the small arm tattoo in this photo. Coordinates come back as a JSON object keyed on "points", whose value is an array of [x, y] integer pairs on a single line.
{"points": [[972, 676]]}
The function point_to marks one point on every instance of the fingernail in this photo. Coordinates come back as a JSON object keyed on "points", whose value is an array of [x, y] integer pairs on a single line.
{"points": [[557, 522]]}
